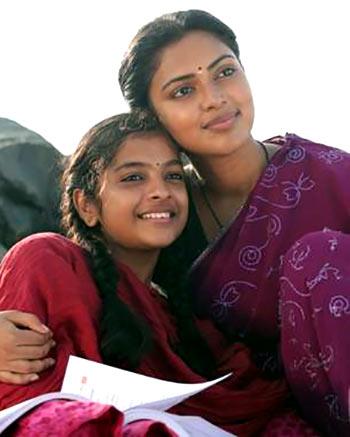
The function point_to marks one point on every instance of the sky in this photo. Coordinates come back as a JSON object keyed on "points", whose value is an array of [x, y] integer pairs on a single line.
{"points": [[60, 59]]}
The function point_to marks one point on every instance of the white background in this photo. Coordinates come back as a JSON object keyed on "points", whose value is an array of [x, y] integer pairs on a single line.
{"points": [[59, 62]]}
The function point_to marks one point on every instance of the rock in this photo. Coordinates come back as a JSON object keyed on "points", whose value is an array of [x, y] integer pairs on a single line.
{"points": [[29, 183]]}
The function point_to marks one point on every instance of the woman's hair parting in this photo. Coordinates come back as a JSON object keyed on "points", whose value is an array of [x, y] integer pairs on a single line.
{"points": [[142, 59], [124, 336]]}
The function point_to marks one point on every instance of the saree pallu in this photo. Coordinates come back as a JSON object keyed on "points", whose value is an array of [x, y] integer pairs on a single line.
{"points": [[236, 281]]}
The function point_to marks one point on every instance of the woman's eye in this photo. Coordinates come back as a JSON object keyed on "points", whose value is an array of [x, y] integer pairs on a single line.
{"points": [[226, 72], [182, 91], [132, 178]]}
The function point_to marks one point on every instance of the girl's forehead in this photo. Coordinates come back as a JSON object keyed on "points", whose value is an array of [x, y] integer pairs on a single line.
{"points": [[146, 147]]}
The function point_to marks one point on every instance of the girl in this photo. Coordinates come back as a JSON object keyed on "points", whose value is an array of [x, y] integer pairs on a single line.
{"points": [[124, 199]]}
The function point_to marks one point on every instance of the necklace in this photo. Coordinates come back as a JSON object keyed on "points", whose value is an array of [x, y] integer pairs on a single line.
{"points": [[207, 201], [158, 289]]}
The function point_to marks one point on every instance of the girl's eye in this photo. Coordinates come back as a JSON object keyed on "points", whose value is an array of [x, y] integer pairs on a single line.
{"points": [[226, 72], [132, 178], [175, 176], [182, 91]]}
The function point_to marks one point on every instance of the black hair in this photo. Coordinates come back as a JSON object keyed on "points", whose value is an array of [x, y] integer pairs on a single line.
{"points": [[124, 336], [142, 58]]}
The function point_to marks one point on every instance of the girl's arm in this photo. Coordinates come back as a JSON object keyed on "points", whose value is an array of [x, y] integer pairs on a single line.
{"points": [[47, 275], [24, 345]]}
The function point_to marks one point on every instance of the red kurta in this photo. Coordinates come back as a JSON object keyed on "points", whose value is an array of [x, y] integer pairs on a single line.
{"points": [[48, 275]]}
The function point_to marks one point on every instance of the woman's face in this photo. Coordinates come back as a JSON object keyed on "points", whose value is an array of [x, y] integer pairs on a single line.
{"points": [[201, 95]]}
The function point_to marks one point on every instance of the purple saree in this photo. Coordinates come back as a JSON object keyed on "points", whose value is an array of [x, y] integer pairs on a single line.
{"points": [[253, 287]]}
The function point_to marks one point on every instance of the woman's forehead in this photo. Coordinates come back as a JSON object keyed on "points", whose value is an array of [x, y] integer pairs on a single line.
{"points": [[192, 53]]}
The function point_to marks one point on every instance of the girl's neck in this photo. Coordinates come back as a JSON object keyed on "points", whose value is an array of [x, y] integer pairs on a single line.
{"points": [[141, 262]]}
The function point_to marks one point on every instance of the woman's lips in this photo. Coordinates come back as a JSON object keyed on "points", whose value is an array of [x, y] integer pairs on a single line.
{"points": [[222, 122]]}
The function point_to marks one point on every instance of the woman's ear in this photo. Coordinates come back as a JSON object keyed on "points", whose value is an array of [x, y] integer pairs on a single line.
{"points": [[86, 208]]}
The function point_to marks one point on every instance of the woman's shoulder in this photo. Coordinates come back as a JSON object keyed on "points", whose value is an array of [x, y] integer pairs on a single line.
{"points": [[291, 139], [299, 149]]}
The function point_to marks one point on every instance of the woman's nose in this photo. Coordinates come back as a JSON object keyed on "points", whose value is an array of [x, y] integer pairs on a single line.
{"points": [[212, 97]]}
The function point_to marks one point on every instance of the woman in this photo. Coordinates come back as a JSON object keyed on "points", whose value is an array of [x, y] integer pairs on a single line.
{"points": [[254, 201]]}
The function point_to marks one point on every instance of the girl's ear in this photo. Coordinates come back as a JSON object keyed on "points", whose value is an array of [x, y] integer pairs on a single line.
{"points": [[86, 208]]}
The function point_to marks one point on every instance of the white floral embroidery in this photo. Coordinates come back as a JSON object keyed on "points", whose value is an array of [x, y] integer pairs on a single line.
{"points": [[276, 268], [291, 314], [291, 193], [250, 256], [229, 294], [284, 280], [332, 156], [323, 275], [296, 154], [269, 174], [333, 243], [313, 362], [298, 256], [339, 305]]}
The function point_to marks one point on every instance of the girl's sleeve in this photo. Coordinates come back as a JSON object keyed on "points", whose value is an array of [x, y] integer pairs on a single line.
{"points": [[45, 276]]}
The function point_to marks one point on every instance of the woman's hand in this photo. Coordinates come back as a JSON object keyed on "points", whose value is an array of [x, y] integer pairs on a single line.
{"points": [[24, 345]]}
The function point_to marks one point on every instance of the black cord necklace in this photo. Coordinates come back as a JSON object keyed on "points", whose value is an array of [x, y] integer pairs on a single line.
{"points": [[205, 195]]}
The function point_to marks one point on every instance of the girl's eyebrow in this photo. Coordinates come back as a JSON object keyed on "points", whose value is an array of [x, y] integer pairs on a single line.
{"points": [[130, 164], [192, 75]]}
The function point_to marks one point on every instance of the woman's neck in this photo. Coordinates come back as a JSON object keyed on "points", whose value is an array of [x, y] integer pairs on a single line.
{"points": [[233, 175], [228, 182]]}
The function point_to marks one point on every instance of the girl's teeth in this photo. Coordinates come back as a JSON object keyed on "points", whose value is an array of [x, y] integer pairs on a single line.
{"points": [[156, 215]]}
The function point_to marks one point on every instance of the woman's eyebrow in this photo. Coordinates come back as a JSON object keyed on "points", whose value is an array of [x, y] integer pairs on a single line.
{"points": [[178, 79], [192, 75], [219, 59]]}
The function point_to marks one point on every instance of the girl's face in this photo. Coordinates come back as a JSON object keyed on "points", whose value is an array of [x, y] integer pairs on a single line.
{"points": [[143, 201], [201, 95]]}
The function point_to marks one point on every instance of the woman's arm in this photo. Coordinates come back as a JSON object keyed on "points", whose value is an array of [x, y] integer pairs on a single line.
{"points": [[24, 345]]}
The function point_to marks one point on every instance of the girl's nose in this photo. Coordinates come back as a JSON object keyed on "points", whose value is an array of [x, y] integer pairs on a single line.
{"points": [[159, 190]]}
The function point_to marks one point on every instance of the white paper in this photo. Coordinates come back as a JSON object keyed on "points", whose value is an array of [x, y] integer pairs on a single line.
{"points": [[184, 426], [124, 389]]}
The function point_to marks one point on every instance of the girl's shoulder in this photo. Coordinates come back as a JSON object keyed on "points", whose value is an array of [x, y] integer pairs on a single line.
{"points": [[42, 247]]}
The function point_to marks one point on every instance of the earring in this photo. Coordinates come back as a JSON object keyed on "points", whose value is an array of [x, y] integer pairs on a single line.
{"points": [[191, 170], [91, 221]]}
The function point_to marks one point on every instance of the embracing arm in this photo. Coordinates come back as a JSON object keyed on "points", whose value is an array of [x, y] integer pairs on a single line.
{"points": [[24, 345]]}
